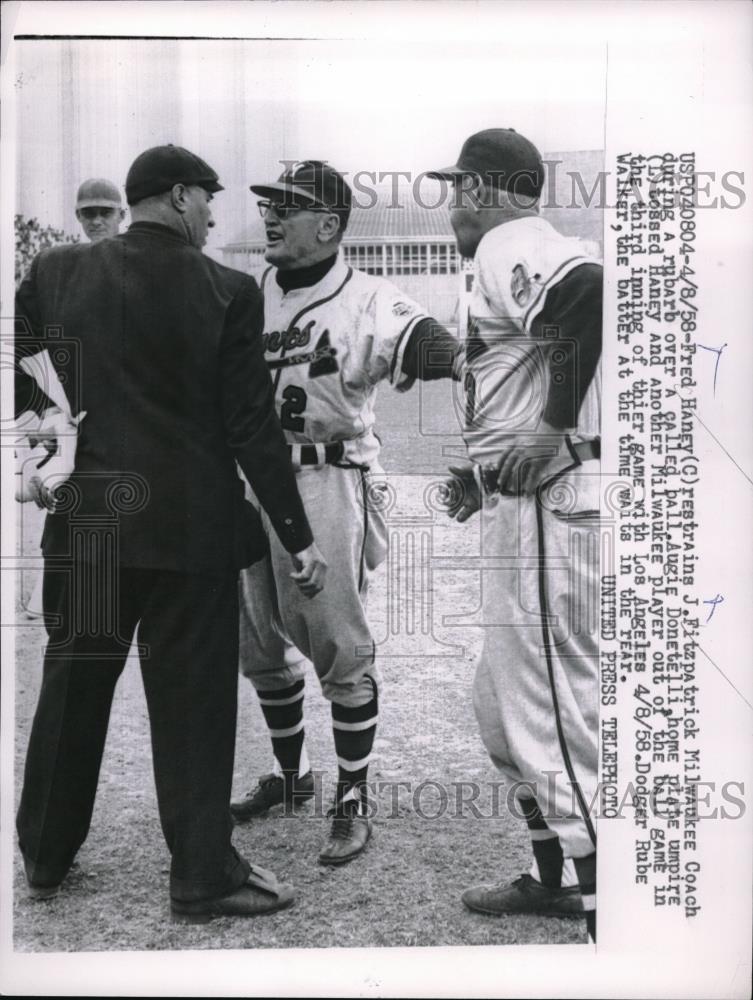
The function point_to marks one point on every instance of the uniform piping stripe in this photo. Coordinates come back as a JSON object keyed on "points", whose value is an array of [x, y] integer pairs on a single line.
{"points": [[365, 502], [571, 449], [264, 278], [355, 727], [353, 765], [280, 734], [320, 302], [560, 272], [282, 701], [550, 669]]}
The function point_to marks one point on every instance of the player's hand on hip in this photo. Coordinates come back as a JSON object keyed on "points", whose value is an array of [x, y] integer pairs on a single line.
{"points": [[61, 432], [311, 570], [462, 493], [525, 460], [51, 460]]}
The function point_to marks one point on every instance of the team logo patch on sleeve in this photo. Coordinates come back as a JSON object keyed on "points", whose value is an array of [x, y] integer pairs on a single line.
{"points": [[520, 285], [401, 309]]}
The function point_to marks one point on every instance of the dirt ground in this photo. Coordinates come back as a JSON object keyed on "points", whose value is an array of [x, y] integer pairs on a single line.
{"points": [[440, 823]]}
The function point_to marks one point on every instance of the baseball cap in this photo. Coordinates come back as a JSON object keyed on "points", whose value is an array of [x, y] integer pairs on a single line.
{"points": [[157, 169], [502, 158], [310, 182], [96, 192]]}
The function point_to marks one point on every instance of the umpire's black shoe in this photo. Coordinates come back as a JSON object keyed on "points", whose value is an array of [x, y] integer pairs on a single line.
{"points": [[348, 835], [43, 882], [524, 895], [273, 790], [261, 894], [36, 891]]}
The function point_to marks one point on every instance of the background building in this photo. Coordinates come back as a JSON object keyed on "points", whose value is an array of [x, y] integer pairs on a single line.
{"points": [[88, 107]]}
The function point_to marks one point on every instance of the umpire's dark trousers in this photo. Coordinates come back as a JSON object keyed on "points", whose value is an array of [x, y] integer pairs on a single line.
{"points": [[188, 637]]}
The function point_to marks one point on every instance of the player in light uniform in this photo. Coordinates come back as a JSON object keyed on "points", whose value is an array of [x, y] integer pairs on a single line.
{"points": [[332, 334], [532, 431]]}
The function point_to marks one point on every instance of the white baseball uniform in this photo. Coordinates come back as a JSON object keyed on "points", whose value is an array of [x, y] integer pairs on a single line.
{"points": [[328, 347], [535, 691]]}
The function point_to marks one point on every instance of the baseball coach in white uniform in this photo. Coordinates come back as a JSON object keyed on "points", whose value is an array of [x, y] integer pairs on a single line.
{"points": [[331, 335]]}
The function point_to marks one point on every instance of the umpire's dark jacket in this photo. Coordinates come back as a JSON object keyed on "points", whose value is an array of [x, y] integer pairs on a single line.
{"points": [[161, 346]]}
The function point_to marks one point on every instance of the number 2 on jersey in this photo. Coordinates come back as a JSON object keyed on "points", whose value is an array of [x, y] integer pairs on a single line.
{"points": [[295, 403]]}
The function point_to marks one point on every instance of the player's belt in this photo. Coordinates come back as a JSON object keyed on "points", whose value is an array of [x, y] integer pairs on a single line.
{"points": [[316, 454], [584, 451]]}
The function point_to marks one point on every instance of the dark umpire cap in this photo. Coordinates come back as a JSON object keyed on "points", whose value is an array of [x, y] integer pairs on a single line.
{"points": [[96, 192], [501, 158], [157, 169], [310, 183]]}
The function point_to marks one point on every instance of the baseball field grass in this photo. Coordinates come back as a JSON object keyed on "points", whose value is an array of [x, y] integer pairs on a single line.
{"points": [[440, 821]]}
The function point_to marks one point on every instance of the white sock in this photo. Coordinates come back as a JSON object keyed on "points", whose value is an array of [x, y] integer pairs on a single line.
{"points": [[569, 877]]}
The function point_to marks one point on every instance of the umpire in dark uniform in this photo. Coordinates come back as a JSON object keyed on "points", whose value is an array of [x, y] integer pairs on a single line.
{"points": [[147, 536]]}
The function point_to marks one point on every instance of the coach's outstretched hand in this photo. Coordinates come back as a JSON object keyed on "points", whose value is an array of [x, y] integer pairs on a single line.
{"points": [[462, 492], [311, 570]]}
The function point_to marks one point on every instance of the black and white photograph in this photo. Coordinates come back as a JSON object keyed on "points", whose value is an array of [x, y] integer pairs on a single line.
{"points": [[377, 465]]}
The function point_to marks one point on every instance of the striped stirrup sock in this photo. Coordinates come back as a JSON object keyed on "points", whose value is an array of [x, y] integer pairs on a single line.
{"points": [[546, 844], [283, 712], [354, 730], [586, 869]]}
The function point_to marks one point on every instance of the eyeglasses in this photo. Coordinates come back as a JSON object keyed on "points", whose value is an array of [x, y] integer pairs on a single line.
{"points": [[285, 211], [93, 213]]}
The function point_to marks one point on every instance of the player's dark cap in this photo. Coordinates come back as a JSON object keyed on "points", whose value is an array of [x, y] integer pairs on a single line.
{"points": [[502, 158], [156, 170], [96, 192], [310, 183]]}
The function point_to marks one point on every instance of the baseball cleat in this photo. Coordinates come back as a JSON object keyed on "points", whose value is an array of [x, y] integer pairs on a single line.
{"points": [[348, 836], [273, 790], [524, 895]]}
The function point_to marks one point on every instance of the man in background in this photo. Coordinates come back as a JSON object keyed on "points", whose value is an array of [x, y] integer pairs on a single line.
{"points": [[99, 209]]}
